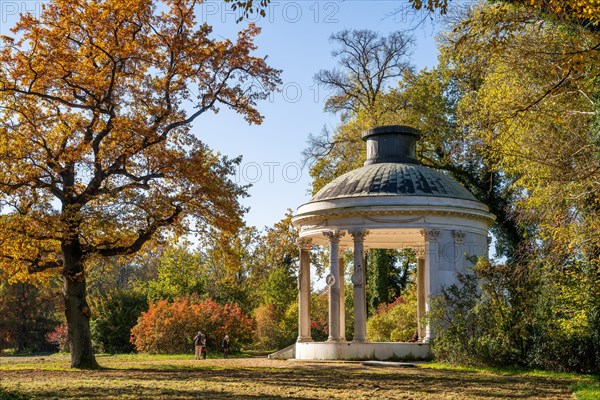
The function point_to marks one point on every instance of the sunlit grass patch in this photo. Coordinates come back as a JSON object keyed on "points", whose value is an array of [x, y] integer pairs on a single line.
{"points": [[585, 387], [587, 390], [507, 371]]}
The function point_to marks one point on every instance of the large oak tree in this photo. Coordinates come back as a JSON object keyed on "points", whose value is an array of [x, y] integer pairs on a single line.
{"points": [[96, 153]]}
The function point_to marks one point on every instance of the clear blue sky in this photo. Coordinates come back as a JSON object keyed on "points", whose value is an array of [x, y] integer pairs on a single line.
{"points": [[295, 36]]}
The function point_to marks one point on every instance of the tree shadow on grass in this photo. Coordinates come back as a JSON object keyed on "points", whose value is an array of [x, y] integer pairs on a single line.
{"points": [[298, 381], [91, 393]]}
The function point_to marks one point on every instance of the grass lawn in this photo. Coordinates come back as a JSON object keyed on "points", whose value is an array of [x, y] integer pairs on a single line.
{"points": [[181, 377]]}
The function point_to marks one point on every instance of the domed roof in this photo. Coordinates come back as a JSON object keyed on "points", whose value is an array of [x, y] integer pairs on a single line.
{"points": [[387, 179], [394, 198]]}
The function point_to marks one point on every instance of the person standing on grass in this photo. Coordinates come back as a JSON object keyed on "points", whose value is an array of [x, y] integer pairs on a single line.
{"points": [[225, 346], [203, 346], [198, 345]]}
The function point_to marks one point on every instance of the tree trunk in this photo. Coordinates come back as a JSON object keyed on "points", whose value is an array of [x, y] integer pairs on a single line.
{"points": [[76, 307]]}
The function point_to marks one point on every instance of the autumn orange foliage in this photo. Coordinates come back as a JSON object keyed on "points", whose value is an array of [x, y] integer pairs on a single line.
{"points": [[169, 327]]}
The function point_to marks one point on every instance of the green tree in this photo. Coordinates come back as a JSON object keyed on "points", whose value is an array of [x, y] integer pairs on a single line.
{"points": [[280, 289], [229, 266], [533, 112], [105, 274], [388, 274], [274, 275], [380, 267], [180, 272], [512, 113], [529, 100]]}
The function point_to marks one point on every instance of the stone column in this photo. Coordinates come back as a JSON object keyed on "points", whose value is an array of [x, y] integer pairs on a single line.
{"points": [[432, 263], [420, 291], [342, 297], [333, 281], [358, 279], [304, 334]]}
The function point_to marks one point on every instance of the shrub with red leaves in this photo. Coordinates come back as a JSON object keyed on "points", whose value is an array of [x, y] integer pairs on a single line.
{"points": [[169, 327], [60, 337]]}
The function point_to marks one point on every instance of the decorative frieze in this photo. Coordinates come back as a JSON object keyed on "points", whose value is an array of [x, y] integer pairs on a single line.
{"points": [[394, 221]]}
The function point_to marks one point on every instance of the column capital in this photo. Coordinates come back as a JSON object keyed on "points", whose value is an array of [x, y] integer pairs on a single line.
{"points": [[333, 236], [419, 251], [358, 234], [430, 235], [304, 243], [459, 236]]}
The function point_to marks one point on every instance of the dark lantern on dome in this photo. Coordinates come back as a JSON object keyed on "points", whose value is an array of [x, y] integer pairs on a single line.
{"points": [[391, 144]]}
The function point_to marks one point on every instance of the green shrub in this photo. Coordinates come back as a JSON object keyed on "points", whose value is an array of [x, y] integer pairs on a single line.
{"points": [[395, 322], [116, 315], [520, 315], [481, 321]]}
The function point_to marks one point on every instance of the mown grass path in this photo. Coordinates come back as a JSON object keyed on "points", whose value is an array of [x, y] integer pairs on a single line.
{"points": [[180, 377]]}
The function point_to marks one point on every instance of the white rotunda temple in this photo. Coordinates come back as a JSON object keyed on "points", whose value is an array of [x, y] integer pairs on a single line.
{"points": [[392, 202]]}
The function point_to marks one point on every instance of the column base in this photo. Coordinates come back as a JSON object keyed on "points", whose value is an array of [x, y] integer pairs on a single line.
{"points": [[304, 339]]}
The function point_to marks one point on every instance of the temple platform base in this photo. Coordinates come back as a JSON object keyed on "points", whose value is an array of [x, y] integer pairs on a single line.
{"points": [[383, 351]]}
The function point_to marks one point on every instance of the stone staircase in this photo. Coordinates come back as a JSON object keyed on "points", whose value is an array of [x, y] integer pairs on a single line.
{"points": [[284, 354]]}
